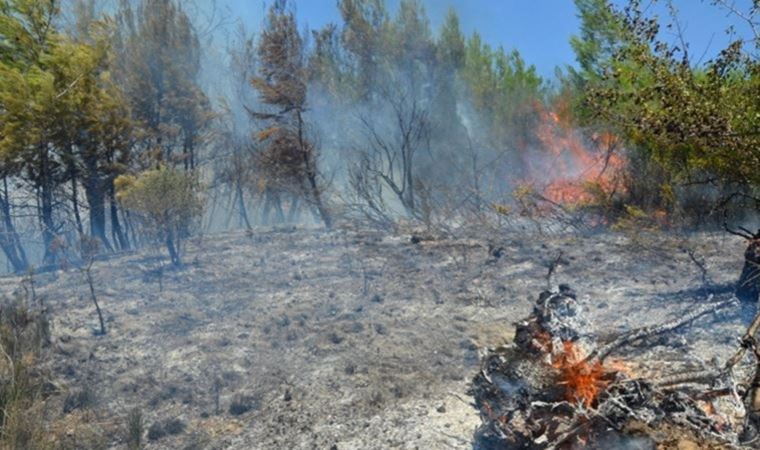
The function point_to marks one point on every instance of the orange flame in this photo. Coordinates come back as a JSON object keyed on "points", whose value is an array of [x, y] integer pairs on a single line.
{"points": [[574, 162], [583, 381]]}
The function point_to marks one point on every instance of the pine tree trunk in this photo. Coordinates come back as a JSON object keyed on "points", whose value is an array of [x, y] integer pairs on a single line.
{"points": [[751, 429], [748, 287], [45, 207], [75, 205], [316, 194], [95, 194], [9, 240], [173, 250], [311, 175], [272, 200], [118, 233], [241, 206]]}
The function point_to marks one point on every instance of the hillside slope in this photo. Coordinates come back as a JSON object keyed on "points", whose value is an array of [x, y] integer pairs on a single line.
{"points": [[345, 339]]}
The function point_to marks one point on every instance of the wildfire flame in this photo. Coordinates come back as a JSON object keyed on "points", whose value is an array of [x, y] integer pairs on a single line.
{"points": [[583, 381], [574, 161]]}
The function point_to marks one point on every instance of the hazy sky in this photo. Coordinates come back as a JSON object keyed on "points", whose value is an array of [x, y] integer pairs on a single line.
{"points": [[539, 29]]}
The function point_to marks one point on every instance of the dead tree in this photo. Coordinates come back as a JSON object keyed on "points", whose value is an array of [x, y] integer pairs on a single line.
{"points": [[390, 157], [233, 171], [89, 248], [91, 284]]}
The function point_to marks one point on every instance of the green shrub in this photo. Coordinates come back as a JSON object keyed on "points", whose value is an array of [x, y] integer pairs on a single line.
{"points": [[167, 201]]}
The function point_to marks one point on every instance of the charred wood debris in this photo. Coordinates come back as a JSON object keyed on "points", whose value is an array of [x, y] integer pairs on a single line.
{"points": [[558, 386]]}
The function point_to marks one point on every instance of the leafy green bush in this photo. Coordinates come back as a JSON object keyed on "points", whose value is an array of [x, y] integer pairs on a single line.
{"points": [[689, 129], [167, 201]]}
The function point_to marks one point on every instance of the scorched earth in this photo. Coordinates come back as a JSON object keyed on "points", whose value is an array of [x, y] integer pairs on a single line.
{"points": [[349, 339]]}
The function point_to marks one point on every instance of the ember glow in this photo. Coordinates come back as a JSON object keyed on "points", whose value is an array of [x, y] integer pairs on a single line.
{"points": [[574, 163], [583, 381]]}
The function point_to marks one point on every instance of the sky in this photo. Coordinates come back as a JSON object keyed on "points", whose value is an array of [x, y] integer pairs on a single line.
{"points": [[539, 29]]}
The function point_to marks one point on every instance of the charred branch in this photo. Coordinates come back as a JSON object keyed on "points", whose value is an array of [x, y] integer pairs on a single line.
{"points": [[648, 332]]}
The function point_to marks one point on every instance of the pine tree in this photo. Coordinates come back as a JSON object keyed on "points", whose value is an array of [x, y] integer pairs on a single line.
{"points": [[158, 56], [451, 43], [289, 157], [30, 106], [365, 39]]}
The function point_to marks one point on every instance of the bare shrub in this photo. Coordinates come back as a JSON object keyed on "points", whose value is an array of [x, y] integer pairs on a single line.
{"points": [[89, 248], [83, 398], [163, 428], [135, 428], [23, 335], [388, 161]]}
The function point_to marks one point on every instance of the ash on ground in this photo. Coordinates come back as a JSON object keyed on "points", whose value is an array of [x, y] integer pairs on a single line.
{"points": [[300, 338]]}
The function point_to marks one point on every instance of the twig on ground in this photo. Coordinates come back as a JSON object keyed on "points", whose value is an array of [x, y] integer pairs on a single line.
{"points": [[642, 333]]}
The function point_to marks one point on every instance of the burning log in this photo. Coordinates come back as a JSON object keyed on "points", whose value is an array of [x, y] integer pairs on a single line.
{"points": [[556, 388]]}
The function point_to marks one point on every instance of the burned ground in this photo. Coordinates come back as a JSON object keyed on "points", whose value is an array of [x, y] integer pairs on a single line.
{"points": [[347, 339]]}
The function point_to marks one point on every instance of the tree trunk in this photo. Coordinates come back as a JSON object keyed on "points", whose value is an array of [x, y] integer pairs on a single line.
{"points": [[9, 249], [188, 149], [241, 206], [316, 194], [311, 175], [748, 286], [173, 250], [294, 209], [751, 429], [9, 240], [72, 172], [75, 205], [45, 206], [272, 200], [10, 252], [130, 233], [88, 272], [116, 230], [409, 185], [93, 189]]}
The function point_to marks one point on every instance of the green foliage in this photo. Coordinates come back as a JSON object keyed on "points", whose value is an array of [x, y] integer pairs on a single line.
{"points": [[409, 43], [288, 161], [281, 77], [365, 31], [325, 65], [684, 125], [168, 202], [62, 119], [451, 43], [80, 106], [601, 34], [157, 57], [502, 87]]}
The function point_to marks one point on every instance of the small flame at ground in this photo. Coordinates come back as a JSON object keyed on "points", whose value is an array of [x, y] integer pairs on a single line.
{"points": [[583, 381]]}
